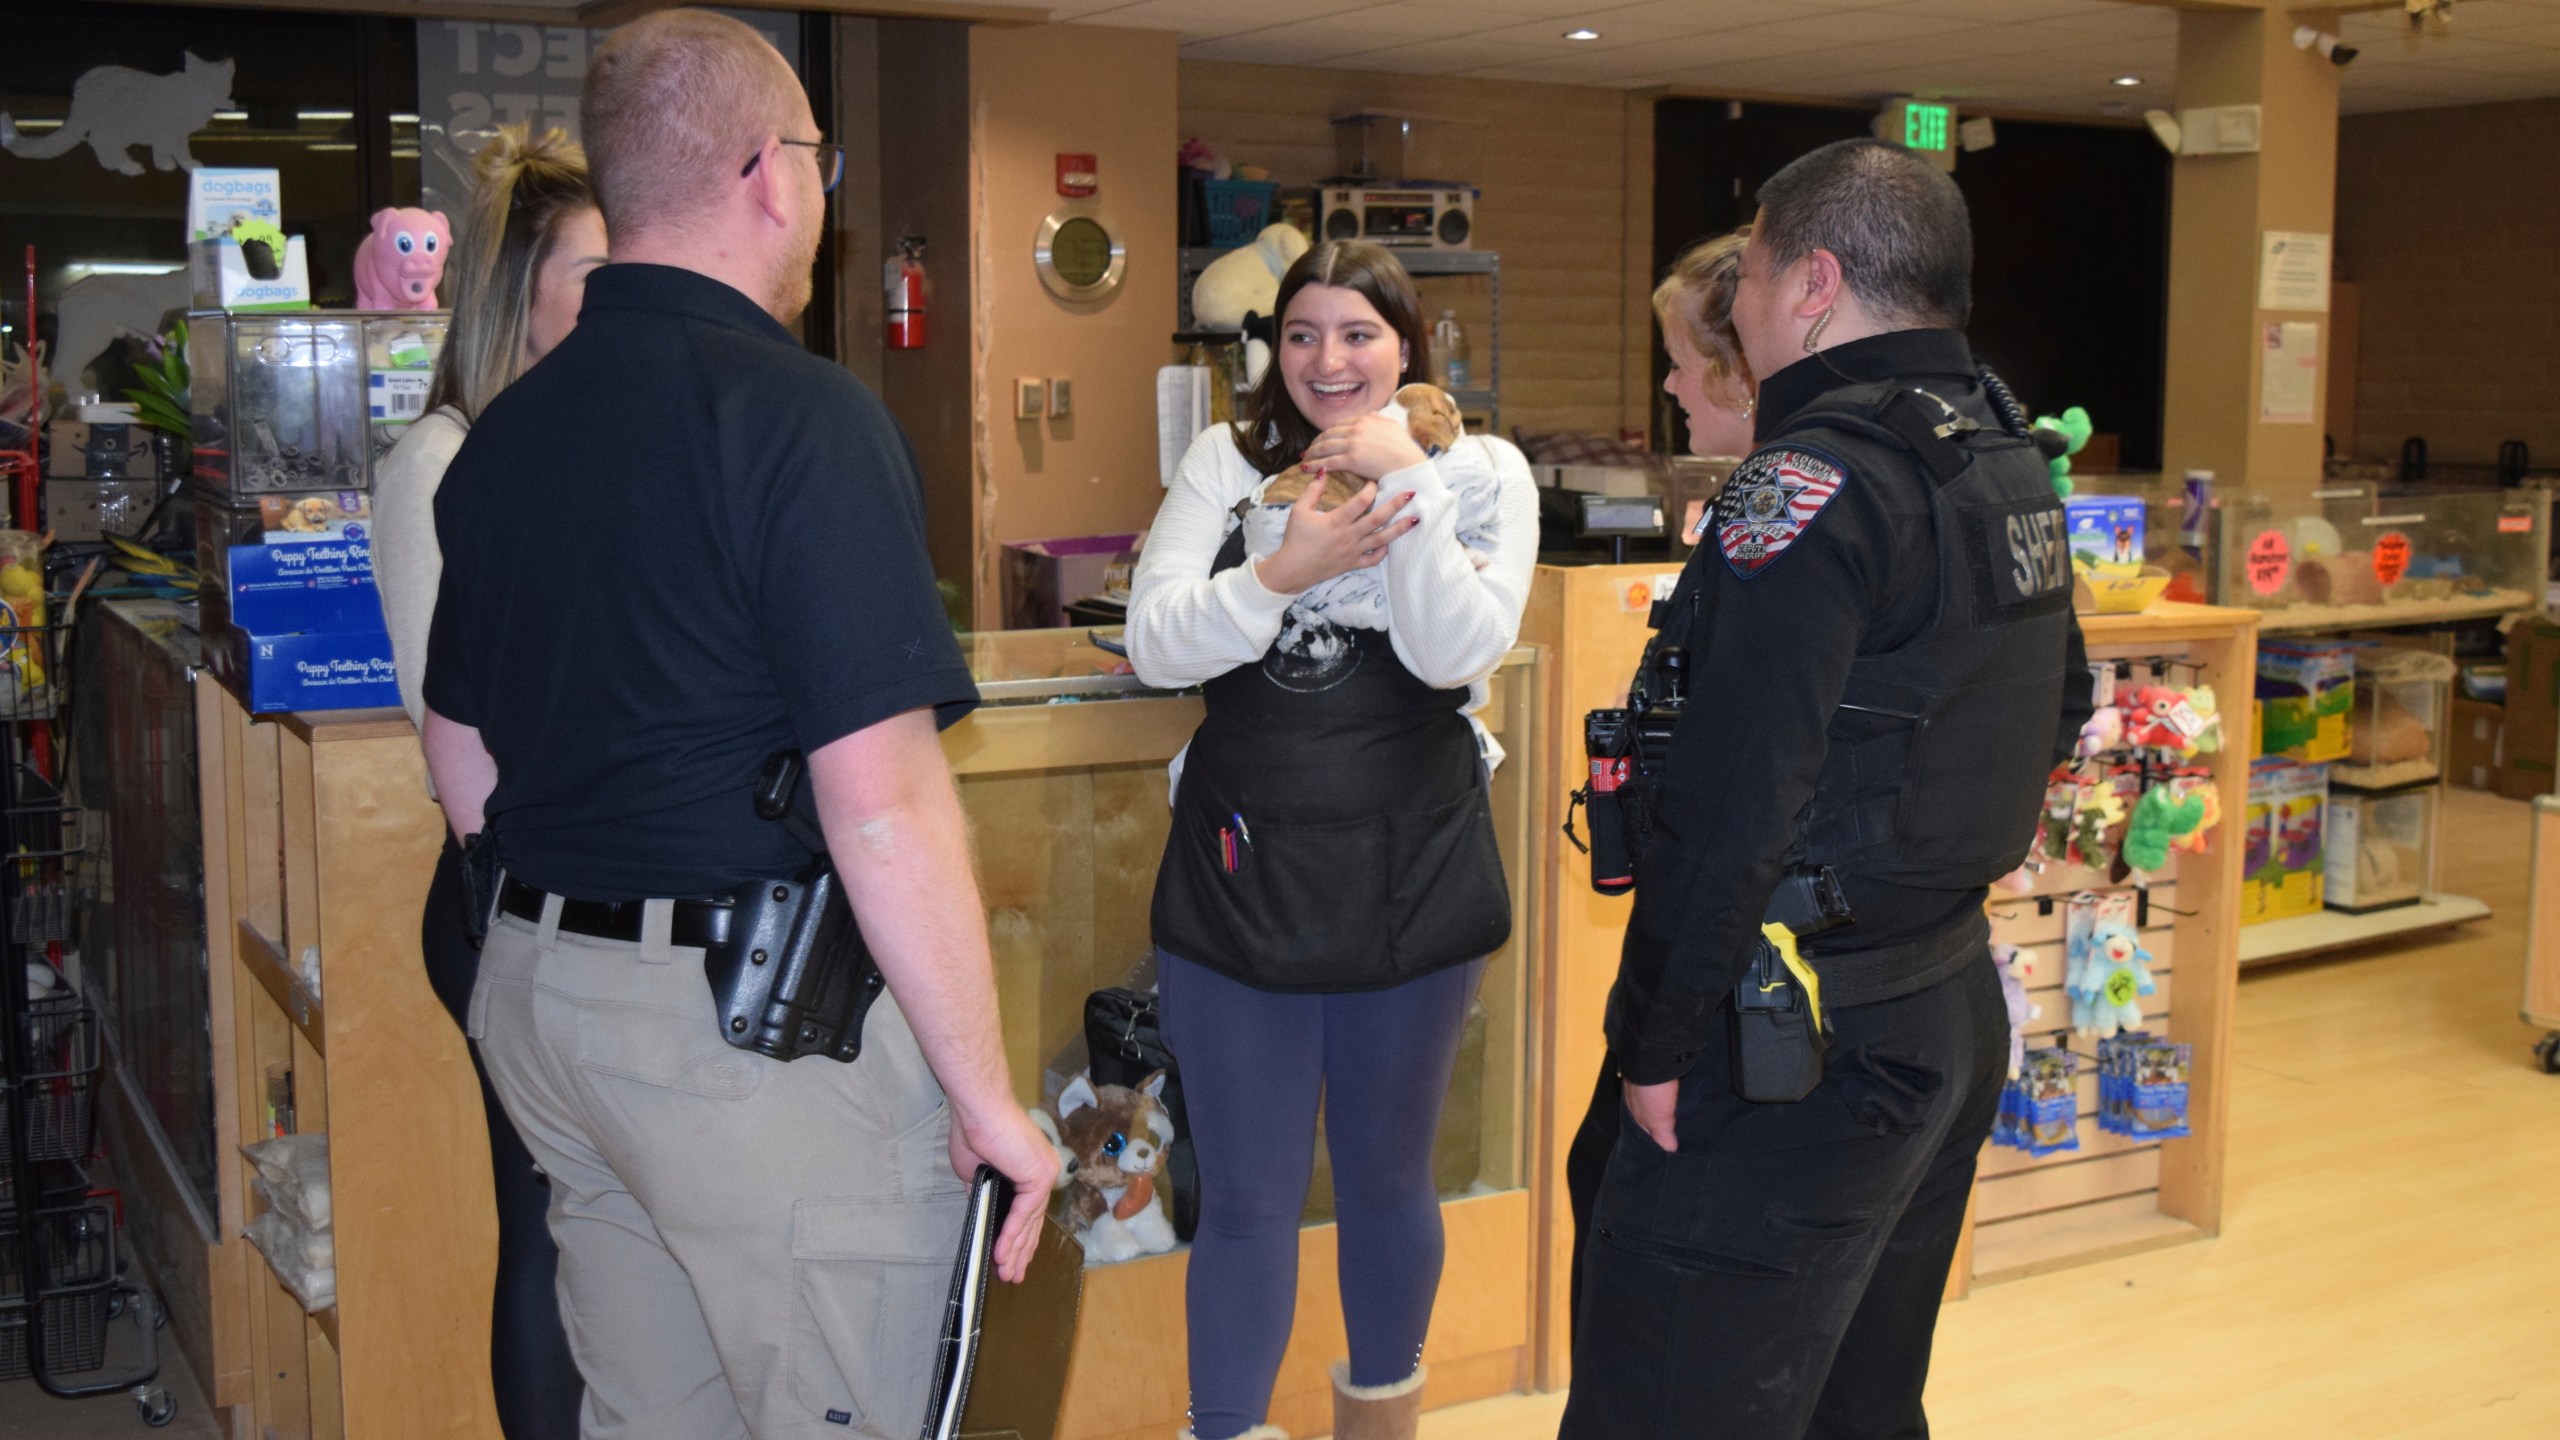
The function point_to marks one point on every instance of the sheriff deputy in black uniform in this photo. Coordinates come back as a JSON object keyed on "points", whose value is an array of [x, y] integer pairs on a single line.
{"points": [[1843, 725]]}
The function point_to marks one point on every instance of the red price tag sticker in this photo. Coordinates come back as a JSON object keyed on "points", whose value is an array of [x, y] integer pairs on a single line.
{"points": [[2270, 562], [2515, 524], [2390, 557]]}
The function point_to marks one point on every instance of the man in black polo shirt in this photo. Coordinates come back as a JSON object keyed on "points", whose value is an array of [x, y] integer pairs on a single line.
{"points": [[677, 545]]}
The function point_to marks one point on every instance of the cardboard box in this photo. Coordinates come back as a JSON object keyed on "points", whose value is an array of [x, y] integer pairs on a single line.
{"points": [[79, 450], [2104, 528], [238, 255], [1042, 576], [90, 510], [2532, 733], [2306, 691], [2283, 866], [333, 670], [227, 525], [2471, 746]]}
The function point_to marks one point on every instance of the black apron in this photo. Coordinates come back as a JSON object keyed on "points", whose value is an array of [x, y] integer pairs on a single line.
{"points": [[1333, 830]]}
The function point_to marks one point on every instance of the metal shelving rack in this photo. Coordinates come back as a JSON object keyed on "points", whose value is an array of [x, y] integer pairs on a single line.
{"points": [[60, 1277], [1421, 265]]}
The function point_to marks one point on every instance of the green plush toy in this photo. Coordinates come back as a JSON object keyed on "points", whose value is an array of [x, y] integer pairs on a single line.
{"points": [[2158, 819], [2074, 427]]}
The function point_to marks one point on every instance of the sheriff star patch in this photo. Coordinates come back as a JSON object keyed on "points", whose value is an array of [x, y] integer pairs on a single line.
{"points": [[1769, 501]]}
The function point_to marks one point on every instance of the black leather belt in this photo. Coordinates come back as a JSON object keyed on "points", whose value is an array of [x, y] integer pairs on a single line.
{"points": [[703, 923]]}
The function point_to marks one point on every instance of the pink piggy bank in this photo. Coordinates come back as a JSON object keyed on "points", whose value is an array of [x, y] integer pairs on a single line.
{"points": [[397, 266]]}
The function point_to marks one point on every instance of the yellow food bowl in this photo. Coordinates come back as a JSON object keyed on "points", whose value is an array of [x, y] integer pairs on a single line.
{"points": [[2107, 589]]}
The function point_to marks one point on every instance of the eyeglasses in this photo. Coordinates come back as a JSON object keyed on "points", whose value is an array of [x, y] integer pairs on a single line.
{"points": [[830, 157]]}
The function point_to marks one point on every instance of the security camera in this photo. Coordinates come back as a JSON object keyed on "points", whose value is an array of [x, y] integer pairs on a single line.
{"points": [[2335, 50]]}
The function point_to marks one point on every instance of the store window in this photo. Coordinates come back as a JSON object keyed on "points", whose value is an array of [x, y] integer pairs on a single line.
{"points": [[107, 103]]}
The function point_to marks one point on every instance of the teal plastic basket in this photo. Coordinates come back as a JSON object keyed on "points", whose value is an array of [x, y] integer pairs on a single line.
{"points": [[1237, 210]]}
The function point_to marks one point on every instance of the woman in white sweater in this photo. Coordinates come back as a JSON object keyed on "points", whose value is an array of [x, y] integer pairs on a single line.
{"points": [[517, 276], [1330, 887]]}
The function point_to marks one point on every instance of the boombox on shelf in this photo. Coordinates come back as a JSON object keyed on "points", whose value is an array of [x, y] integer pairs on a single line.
{"points": [[1432, 218]]}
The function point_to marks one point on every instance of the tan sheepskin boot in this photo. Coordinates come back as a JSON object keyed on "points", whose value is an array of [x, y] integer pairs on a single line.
{"points": [[1376, 1412]]}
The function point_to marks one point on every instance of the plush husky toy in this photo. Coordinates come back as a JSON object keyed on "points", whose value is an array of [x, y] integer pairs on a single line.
{"points": [[1111, 1141]]}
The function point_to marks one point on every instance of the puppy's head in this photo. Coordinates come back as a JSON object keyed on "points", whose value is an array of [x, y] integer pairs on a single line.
{"points": [[1431, 417]]}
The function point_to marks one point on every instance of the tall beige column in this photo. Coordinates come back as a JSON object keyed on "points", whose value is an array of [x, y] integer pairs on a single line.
{"points": [[2222, 207]]}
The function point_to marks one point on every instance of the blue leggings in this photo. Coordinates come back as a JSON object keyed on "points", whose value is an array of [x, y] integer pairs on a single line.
{"points": [[1254, 1064]]}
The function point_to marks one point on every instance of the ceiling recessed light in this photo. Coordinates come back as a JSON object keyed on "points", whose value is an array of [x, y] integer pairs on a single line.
{"points": [[1582, 34], [2128, 81]]}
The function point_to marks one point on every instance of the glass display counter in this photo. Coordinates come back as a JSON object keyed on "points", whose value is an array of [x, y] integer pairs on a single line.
{"points": [[2351, 556], [1062, 773]]}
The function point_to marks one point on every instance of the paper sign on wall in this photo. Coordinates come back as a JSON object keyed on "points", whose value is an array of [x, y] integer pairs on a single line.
{"points": [[2293, 271], [2289, 381]]}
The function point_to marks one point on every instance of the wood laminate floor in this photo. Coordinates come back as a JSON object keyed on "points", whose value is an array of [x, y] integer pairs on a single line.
{"points": [[2389, 1264]]}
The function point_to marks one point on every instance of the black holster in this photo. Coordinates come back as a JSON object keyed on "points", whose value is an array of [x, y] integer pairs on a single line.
{"points": [[794, 977], [1777, 1039]]}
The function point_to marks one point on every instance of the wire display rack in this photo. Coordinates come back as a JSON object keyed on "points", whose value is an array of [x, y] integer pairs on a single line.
{"points": [[60, 1277]]}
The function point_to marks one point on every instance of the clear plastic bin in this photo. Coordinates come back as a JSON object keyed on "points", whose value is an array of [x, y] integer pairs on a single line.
{"points": [[2397, 731], [2380, 849], [278, 402]]}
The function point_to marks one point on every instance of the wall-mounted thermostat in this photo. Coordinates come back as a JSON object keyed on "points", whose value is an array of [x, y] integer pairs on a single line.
{"points": [[1078, 256]]}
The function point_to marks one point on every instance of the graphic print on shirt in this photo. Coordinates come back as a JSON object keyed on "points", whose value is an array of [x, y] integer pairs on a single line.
{"points": [[1312, 653], [1768, 503]]}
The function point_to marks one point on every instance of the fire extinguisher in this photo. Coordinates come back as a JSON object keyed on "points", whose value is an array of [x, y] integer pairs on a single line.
{"points": [[905, 307]]}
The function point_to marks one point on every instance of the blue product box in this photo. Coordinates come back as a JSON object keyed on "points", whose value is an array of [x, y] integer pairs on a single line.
{"points": [[331, 670], [315, 585], [2104, 528]]}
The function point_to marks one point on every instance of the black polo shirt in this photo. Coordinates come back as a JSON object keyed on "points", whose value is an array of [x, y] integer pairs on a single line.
{"points": [[678, 544]]}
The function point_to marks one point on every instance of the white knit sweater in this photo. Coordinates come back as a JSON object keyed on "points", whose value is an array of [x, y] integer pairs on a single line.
{"points": [[407, 563], [1451, 614]]}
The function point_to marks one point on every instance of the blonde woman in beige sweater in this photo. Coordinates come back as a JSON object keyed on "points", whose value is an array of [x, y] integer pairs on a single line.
{"points": [[519, 272]]}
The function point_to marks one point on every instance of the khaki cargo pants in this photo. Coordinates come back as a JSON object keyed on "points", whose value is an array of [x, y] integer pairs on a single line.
{"points": [[747, 1248]]}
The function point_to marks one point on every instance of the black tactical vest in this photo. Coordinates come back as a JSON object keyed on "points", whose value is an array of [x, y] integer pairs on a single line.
{"points": [[1941, 747]]}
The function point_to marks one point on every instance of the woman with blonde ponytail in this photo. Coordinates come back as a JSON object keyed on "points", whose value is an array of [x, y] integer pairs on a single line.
{"points": [[516, 279]]}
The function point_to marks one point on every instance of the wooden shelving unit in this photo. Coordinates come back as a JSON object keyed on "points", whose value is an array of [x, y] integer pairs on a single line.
{"points": [[319, 842], [2116, 1196]]}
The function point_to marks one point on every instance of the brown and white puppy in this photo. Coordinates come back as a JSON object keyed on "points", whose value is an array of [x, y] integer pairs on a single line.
{"points": [[1431, 417]]}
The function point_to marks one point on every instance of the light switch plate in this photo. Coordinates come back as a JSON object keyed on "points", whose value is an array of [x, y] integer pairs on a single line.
{"points": [[1061, 399], [1030, 398]]}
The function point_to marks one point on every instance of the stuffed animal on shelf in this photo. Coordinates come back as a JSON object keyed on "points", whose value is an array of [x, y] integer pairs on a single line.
{"points": [[400, 261], [1111, 1142], [2108, 971], [1244, 283], [2101, 732]]}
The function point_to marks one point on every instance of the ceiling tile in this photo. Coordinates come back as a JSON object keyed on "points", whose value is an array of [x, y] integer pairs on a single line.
{"points": [[1860, 27], [2118, 20], [1259, 50], [1992, 11]]}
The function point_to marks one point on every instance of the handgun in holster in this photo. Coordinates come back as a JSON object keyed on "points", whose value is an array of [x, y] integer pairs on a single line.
{"points": [[1777, 1021], [794, 977]]}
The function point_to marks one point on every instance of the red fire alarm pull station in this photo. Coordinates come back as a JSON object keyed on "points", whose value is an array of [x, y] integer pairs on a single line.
{"points": [[1077, 176]]}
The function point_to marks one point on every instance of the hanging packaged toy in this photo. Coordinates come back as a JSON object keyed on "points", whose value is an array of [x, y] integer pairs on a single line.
{"points": [[2142, 1086], [2013, 962], [2161, 818], [2107, 970], [2178, 723], [2040, 1110]]}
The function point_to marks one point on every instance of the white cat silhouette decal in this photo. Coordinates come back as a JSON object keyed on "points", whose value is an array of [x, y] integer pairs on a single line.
{"points": [[114, 109]]}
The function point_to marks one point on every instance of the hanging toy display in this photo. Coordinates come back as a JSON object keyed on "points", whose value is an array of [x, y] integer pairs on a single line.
{"points": [[2179, 723], [2107, 970], [2040, 1109], [2142, 1086]]}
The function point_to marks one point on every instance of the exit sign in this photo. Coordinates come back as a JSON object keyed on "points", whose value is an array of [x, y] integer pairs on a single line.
{"points": [[1924, 126]]}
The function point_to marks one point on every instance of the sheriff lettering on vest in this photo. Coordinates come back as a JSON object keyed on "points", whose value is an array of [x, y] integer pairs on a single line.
{"points": [[1838, 738]]}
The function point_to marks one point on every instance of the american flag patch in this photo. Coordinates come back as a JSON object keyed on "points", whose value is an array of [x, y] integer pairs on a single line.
{"points": [[1769, 501]]}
